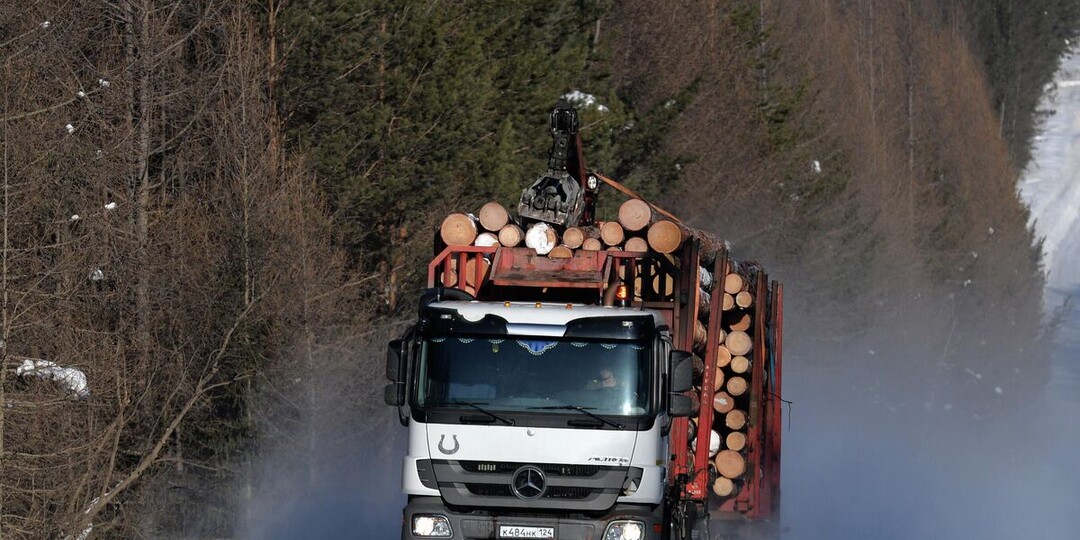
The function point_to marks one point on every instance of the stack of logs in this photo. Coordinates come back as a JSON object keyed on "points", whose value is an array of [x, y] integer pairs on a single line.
{"points": [[731, 380], [638, 229]]}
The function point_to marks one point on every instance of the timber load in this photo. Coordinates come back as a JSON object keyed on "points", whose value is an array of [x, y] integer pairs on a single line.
{"points": [[736, 317]]}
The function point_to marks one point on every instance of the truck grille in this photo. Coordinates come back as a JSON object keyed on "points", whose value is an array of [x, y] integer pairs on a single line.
{"points": [[505, 467], [567, 486]]}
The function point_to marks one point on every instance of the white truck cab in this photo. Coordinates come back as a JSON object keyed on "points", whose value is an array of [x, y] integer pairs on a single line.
{"points": [[535, 420]]}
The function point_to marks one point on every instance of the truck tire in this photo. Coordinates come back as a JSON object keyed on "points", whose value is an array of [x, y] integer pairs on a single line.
{"points": [[689, 523]]}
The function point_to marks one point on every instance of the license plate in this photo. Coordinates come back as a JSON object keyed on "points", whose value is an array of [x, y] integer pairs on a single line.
{"points": [[514, 531]]}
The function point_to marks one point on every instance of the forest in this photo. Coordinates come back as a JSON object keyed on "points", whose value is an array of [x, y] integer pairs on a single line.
{"points": [[217, 212]]}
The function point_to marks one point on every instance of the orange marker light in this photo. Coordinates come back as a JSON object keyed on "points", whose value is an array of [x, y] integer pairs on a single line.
{"points": [[621, 292]]}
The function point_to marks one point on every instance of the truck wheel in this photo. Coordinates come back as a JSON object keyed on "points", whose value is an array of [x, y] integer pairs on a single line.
{"points": [[687, 523]]}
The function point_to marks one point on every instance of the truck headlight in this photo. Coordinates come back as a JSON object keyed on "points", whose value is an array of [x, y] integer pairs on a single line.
{"points": [[625, 530], [431, 526]]}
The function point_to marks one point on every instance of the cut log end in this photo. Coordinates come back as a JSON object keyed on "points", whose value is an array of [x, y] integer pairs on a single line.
{"points": [[723, 487], [744, 299], [742, 324], [592, 244], [730, 464], [561, 252], [637, 245], [723, 403], [723, 356], [735, 419], [635, 214], [458, 230], [739, 343], [733, 283], [737, 386], [740, 364], [612, 233], [573, 237], [736, 440], [718, 379], [541, 237], [493, 216], [486, 240], [511, 235], [665, 236]]}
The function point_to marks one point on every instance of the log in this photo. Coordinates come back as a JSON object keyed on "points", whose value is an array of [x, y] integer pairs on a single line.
{"points": [[723, 356], [714, 443], [612, 233], [704, 303], [733, 283], [614, 248], [458, 230], [739, 343], [744, 299], [700, 335], [735, 419], [730, 464], [573, 237], [666, 236], [637, 245], [737, 386], [592, 244], [736, 440], [635, 215], [723, 403], [729, 302], [662, 285], [470, 271], [740, 364], [742, 324], [724, 487], [449, 278], [705, 279], [486, 239], [493, 216], [541, 237], [718, 380], [561, 252], [511, 235]]}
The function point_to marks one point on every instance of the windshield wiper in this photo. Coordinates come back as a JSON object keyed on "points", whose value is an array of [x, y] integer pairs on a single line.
{"points": [[477, 405], [582, 410]]}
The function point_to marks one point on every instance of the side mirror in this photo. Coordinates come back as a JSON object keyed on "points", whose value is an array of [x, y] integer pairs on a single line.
{"points": [[680, 406], [394, 392], [681, 373], [680, 379], [395, 354]]}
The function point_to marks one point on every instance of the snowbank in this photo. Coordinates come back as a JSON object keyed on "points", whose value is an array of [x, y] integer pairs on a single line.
{"points": [[73, 379]]}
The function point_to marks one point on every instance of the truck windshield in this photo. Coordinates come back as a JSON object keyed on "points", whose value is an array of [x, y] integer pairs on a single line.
{"points": [[535, 374]]}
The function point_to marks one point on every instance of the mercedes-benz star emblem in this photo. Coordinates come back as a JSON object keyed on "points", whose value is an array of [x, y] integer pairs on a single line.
{"points": [[528, 483]]}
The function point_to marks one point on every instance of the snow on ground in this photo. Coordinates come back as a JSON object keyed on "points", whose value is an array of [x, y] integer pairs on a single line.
{"points": [[73, 379], [1051, 185]]}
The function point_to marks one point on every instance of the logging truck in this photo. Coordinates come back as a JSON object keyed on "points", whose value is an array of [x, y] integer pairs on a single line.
{"points": [[578, 379]]}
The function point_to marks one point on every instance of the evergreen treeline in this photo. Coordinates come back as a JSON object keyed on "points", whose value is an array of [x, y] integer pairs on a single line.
{"points": [[217, 211]]}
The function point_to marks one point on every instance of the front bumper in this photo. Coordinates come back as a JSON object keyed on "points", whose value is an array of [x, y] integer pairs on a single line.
{"points": [[485, 524]]}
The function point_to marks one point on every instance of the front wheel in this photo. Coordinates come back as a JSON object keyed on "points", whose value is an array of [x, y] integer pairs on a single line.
{"points": [[689, 522]]}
